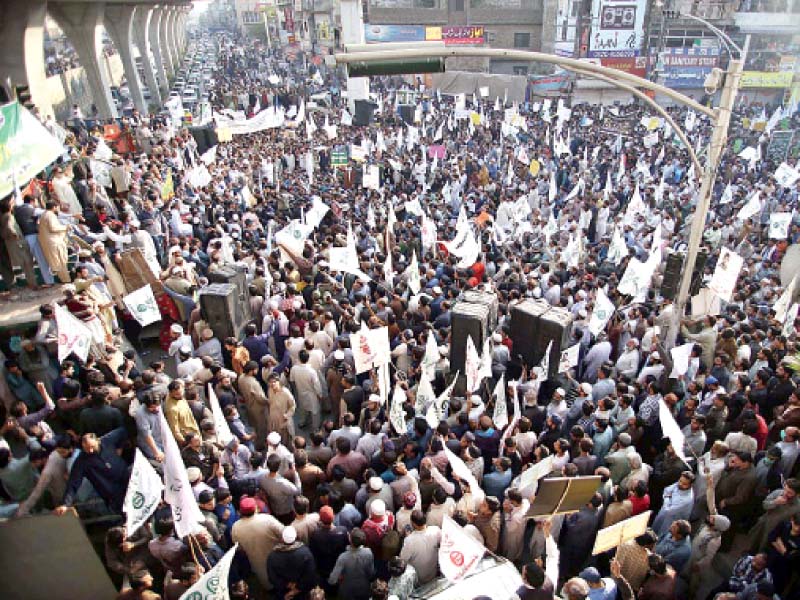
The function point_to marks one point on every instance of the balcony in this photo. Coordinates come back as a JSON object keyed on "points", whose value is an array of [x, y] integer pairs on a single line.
{"points": [[711, 10]]}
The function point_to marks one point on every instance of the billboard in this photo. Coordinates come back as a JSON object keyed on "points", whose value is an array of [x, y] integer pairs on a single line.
{"points": [[394, 33], [617, 28], [453, 36], [765, 79], [688, 67], [635, 65]]}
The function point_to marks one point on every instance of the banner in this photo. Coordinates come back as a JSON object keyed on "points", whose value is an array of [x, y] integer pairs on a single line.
{"points": [[725, 274], [779, 224], [535, 472], [618, 28], [26, 147], [680, 359], [397, 416], [459, 553], [569, 358], [73, 335], [786, 175], [213, 585], [143, 495], [142, 306], [500, 415], [687, 67], [370, 348], [456, 36], [371, 179], [178, 493], [394, 33], [766, 79]]}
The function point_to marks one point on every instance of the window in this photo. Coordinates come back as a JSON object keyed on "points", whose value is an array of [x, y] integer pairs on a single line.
{"points": [[520, 70], [458, 5], [522, 40]]}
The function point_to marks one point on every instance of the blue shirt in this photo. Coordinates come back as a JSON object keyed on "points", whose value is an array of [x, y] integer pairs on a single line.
{"points": [[675, 552], [495, 483]]}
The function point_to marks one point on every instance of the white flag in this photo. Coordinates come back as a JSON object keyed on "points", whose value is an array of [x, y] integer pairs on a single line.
{"points": [[472, 366], [786, 175], [431, 357], [779, 224], [73, 335], [316, 213], [486, 359], [221, 428], [500, 416], [459, 553], [209, 156], [178, 493], [213, 585], [414, 283], [553, 191], [143, 495], [671, 430], [727, 195], [783, 302], [752, 207], [142, 306], [542, 370], [347, 118], [461, 470], [397, 416], [791, 316], [601, 313], [618, 249], [425, 396], [388, 271], [680, 359]]}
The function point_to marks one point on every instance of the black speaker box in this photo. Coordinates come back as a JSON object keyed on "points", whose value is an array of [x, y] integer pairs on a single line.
{"points": [[407, 112], [206, 137], [238, 277], [674, 270], [487, 298], [467, 320], [534, 324], [364, 110], [220, 308]]}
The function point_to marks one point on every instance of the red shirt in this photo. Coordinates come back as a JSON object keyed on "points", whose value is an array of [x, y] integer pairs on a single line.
{"points": [[639, 504]]}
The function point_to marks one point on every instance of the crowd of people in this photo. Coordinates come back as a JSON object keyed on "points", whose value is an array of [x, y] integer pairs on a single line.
{"points": [[336, 482]]}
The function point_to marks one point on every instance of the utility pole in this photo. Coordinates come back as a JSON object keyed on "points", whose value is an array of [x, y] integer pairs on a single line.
{"points": [[716, 146]]}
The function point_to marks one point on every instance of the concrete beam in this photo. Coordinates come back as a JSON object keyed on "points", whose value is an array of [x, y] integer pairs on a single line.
{"points": [[166, 53], [141, 22], [153, 29], [119, 25], [83, 24], [22, 48]]}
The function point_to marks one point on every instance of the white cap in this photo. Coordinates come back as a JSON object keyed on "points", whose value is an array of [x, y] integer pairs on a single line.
{"points": [[289, 534], [374, 398], [274, 438], [175, 328], [561, 392], [444, 350], [655, 355], [586, 387], [338, 355], [377, 508], [375, 484], [194, 474], [497, 338], [437, 290]]}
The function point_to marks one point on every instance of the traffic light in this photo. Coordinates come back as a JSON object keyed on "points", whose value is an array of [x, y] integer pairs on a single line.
{"points": [[23, 94], [413, 66]]}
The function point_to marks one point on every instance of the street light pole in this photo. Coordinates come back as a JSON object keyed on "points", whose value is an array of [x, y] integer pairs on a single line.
{"points": [[716, 146]]}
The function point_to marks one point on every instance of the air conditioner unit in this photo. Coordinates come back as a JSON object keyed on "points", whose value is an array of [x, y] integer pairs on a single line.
{"points": [[491, 36]]}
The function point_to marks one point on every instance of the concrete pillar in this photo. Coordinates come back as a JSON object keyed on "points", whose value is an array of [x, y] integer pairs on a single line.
{"points": [[166, 54], [353, 33], [82, 22], [22, 48], [141, 21], [119, 25], [172, 39], [153, 28], [183, 21]]}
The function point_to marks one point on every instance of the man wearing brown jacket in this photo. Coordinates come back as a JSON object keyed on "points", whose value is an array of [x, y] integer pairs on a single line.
{"points": [[735, 492]]}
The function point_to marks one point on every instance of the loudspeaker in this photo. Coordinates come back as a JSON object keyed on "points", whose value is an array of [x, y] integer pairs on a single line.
{"points": [[206, 137], [407, 112], [467, 320], [363, 112], [487, 298], [220, 308], [672, 276], [237, 277], [534, 324], [674, 270]]}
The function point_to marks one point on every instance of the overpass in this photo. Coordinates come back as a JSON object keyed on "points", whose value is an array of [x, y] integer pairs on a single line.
{"points": [[156, 28]]}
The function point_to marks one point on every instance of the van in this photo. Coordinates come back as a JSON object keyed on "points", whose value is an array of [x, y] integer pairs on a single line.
{"points": [[496, 578]]}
